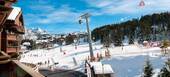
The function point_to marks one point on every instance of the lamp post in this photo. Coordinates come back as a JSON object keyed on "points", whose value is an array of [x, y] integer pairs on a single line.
{"points": [[86, 16]]}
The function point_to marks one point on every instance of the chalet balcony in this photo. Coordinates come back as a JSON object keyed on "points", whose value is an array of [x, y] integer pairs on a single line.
{"points": [[17, 69], [14, 68], [12, 49], [11, 37]]}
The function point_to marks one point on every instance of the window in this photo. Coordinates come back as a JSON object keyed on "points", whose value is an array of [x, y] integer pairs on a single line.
{"points": [[13, 44]]}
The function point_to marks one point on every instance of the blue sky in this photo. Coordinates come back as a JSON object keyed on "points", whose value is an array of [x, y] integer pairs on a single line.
{"points": [[61, 16]]}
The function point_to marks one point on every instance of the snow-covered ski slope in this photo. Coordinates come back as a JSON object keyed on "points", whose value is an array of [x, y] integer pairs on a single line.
{"points": [[126, 62]]}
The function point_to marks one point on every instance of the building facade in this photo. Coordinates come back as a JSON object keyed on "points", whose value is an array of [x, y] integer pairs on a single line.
{"points": [[12, 28]]}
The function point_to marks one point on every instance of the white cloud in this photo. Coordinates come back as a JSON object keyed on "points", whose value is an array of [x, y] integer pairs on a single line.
{"points": [[63, 14], [47, 8], [99, 3], [30, 19], [67, 14], [123, 19], [129, 6], [51, 15]]}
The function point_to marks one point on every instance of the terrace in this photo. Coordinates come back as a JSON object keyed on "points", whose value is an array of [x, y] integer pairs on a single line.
{"points": [[14, 68]]}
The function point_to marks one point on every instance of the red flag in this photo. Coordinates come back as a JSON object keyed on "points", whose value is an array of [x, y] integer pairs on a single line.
{"points": [[142, 3]]}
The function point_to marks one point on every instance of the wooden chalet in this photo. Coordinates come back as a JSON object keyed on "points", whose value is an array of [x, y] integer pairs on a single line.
{"points": [[12, 28]]}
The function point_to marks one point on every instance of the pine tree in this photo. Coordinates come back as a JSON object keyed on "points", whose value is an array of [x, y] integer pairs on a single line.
{"points": [[165, 71], [145, 29], [148, 69]]}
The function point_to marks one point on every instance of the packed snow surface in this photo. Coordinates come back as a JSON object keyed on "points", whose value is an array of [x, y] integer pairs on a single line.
{"points": [[127, 61]]}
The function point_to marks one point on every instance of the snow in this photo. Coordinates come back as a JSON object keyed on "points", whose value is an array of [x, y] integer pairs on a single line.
{"points": [[127, 61], [26, 43], [100, 68], [33, 34], [156, 72], [14, 13], [40, 41], [29, 34], [107, 68], [132, 66]]}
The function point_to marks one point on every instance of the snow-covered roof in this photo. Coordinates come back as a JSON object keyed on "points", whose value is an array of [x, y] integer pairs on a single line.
{"points": [[26, 43], [40, 41], [107, 68], [100, 68], [145, 41], [14, 13]]}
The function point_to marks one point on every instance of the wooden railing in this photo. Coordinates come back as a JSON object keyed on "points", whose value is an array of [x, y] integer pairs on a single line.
{"points": [[13, 49], [27, 70], [11, 37], [14, 68]]}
